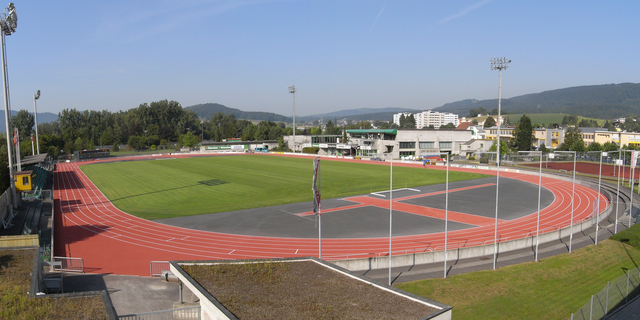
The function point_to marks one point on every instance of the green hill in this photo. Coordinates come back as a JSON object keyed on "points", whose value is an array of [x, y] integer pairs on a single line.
{"points": [[207, 110], [607, 101], [545, 118]]}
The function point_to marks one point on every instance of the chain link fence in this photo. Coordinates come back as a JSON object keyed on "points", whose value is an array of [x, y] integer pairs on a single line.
{"points": [[612, 297]]}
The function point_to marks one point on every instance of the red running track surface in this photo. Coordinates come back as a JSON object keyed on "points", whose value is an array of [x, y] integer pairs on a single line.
{"points": [[111, 241]]}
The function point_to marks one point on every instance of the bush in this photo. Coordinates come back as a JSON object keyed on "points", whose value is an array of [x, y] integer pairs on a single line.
{"points": [[310, 150], [484, 160], [472, 157], [153, 147], [115, 147]]}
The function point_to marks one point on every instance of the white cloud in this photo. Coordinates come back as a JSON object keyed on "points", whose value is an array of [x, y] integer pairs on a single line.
{"points": [[465, 11], [375, 20]]}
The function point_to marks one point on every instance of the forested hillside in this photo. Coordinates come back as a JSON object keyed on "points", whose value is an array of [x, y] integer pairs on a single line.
{"points": [[601, 101], [207, 110]]}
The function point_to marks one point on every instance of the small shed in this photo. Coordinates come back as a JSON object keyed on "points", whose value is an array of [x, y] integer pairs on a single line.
{"points": [[24, 180]]}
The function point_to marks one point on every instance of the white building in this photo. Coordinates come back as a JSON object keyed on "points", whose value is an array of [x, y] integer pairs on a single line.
{"points": [[407, 142], [428, 118]]}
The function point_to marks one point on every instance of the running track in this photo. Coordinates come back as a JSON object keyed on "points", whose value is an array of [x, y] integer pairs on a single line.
{"points": [[111, 241]]}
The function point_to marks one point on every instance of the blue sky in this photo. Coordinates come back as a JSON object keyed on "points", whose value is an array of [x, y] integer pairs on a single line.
{"points": [[115, 55]]}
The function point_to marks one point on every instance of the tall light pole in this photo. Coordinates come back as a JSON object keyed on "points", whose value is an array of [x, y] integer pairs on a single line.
{"points": [[539, 195], [620, 163], [446, 217], [573, 194], [602, 154], [292, 90], [36, 96], [8, 23], [202, 129], [498, 64]]}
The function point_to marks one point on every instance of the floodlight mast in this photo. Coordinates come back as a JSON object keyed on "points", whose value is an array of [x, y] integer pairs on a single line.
{"points": [[292, 90], [498, 64], [8, 23], [35, 113]]}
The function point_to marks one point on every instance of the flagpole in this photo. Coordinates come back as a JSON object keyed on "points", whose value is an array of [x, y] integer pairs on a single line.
{"points": [[319, 215], [390, 212], [316, 186], [633, 173]]}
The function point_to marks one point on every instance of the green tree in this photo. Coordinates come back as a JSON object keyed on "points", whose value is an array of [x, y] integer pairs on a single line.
{"points": [[79, 144], [136, 143], [24, 122], [610, 146], [609, 126], [489, 122], [595, 146], [572, 135], [523, 134], [578, 145], [448, 126], [504, 148], [543, 148], [189, 140]]}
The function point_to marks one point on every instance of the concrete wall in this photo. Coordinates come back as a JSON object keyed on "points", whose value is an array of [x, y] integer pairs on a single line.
{"points": [[19, 241]]}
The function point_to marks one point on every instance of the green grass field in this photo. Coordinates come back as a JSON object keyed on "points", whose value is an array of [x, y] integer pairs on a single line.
{"points": [[552, 288], [158, 189]]}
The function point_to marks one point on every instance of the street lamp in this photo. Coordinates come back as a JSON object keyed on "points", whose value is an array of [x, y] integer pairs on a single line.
{"points": [[573, 194], [292, 90], [35, 113], [498, 64], [8, 24]]}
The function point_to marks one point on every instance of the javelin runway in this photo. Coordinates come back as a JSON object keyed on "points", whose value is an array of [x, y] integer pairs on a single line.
{"points": [[88, 226]]}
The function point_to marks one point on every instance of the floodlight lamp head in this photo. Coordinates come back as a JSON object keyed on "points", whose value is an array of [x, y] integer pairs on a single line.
{"points": [[37, 95], [499, 63], [292, 89], [9, 22]]}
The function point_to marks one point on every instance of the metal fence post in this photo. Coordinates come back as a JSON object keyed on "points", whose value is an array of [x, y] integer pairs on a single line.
{"points": [[591, 309], [626, 298], [606, 305]]}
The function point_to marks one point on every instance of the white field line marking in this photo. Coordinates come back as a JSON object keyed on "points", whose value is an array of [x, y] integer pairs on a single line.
{"points": [[170, 239], [232, 251], [296, 251], [379, 195]]}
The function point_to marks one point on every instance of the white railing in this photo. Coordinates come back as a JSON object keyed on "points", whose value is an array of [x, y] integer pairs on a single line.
{"points": [[69, 264]]}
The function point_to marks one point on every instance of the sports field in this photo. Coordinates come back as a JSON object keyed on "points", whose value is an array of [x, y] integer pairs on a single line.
{"points": [[157, 189]]}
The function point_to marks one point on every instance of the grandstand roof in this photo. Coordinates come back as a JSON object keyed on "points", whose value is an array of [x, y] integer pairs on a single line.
{"points": [[385, 131], [35, 159]]}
